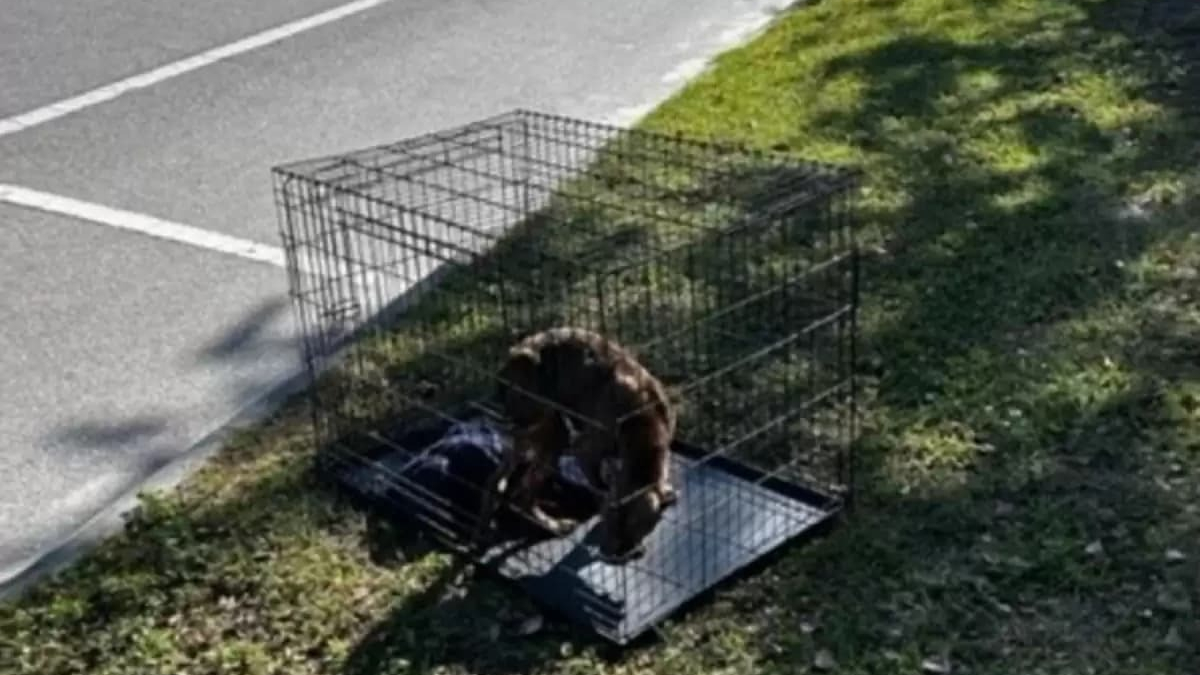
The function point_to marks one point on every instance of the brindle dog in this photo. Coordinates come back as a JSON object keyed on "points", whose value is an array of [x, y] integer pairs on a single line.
{"points": [[625, 426]]}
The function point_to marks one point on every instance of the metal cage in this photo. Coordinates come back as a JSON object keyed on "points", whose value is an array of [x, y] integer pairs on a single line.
{"points": [[732, 274]]}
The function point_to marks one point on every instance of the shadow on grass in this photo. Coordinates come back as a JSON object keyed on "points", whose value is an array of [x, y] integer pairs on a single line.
{"points": [[1024, 408]]}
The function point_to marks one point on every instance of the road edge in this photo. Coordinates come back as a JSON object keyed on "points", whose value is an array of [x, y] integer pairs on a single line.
{"points": [[110, 520]]}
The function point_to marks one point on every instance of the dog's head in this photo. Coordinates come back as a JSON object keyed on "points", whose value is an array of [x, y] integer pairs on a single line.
{"points": [[631, 522]]}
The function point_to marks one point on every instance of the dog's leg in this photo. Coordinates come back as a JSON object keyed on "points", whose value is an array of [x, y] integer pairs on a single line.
{"points": [[667, 494], [543, 464], [556, 526], [496, 487], [588, 450], [611, 470], [488, 503], [658, 433]]}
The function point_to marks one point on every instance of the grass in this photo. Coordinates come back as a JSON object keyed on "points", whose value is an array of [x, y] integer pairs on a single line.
{"points": [[1032, 446]]}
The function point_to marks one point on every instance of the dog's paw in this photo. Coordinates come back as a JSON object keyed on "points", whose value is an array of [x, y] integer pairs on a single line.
{"points": [[668, 496], [563, 528], [633, 554], [481, 536], [560, 527], [556, 527]]}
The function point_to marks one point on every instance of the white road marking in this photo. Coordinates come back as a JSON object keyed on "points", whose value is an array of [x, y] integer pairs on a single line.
{"points": [[361, 279], [138, 222], [108, 92]]}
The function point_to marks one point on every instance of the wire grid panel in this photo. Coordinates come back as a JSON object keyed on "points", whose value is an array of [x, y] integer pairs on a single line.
{"points": [[732, 274]]}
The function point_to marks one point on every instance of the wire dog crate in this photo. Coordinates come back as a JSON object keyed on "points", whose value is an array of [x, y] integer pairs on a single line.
{"points": [[731, 274]]}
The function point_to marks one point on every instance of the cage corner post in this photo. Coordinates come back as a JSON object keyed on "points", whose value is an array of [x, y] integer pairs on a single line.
{"points": [[853, 442]]}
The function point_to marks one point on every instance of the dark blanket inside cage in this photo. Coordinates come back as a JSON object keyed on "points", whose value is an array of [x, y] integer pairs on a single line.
{"points": [[728, 516], [433, 474]]}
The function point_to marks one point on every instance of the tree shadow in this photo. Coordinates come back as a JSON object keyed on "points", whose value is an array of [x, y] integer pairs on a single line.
{"points": [[982, 257], [103, 434], [979, 443], [248, 336], [143, 442]]}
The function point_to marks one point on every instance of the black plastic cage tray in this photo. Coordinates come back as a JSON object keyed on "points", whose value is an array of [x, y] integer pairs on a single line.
{"points": [[755, 516]]}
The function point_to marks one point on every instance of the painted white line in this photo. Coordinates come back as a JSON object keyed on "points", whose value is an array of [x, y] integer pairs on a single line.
{"points": [[138, 222], [361, 279], [108, 92]]}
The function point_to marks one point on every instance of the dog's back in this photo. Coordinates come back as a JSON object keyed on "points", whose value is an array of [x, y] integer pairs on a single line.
{"points": [[584, 372], [559, 364]]}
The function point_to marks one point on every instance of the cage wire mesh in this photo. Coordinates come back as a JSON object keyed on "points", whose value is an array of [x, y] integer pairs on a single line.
{"points": [[730, 273]]}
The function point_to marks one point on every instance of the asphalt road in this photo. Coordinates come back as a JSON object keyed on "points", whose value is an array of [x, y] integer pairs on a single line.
{"points": [[118, 351]]}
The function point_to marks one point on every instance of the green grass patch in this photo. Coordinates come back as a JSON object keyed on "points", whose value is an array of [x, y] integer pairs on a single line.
{"points": [[1032, 442]]}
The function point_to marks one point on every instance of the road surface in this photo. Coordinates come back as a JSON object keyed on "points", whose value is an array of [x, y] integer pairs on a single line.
{"points": [[121, 347]]}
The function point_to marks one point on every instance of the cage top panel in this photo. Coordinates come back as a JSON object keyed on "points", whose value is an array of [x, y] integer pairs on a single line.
{"points": [[583, 187], [552, 130]]}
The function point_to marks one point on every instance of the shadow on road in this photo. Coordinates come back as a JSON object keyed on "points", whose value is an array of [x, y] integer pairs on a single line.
{"points": [[103, 434]]}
